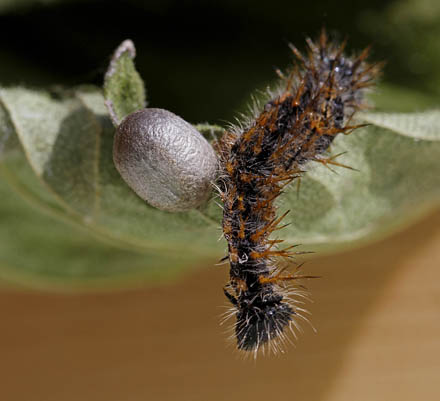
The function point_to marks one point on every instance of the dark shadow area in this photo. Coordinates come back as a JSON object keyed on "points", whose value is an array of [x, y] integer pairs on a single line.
{"points": [[71, 170], [199, 59]]}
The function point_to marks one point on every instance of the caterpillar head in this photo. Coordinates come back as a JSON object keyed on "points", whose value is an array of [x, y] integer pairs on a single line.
{"points": [[260, 317]]}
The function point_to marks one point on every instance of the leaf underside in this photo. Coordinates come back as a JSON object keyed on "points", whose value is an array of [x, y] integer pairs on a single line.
{"points": [[86, 229]]}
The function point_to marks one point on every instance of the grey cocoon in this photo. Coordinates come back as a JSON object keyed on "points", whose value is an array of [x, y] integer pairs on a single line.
{"points": [[164, 159]]}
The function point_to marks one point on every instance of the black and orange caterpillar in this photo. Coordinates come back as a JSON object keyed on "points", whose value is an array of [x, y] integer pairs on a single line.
{"points": [[313, 103]]}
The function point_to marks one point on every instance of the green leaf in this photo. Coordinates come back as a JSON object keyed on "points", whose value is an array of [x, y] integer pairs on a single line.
{"points": [[41, 249], [424, 125], [68, 142], [209, 131], [57, 152], [124, 90], [398, 179]]}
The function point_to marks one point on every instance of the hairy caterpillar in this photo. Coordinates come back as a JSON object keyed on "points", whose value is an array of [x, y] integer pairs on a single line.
{"points": [[313, 103]]}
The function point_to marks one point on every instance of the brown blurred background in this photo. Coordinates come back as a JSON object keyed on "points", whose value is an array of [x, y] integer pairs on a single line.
{"points": [[376, 310]]}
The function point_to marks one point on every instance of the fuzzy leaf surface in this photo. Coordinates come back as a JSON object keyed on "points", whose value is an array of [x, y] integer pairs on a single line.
{"points": [[123, 86], [56, 151]]}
